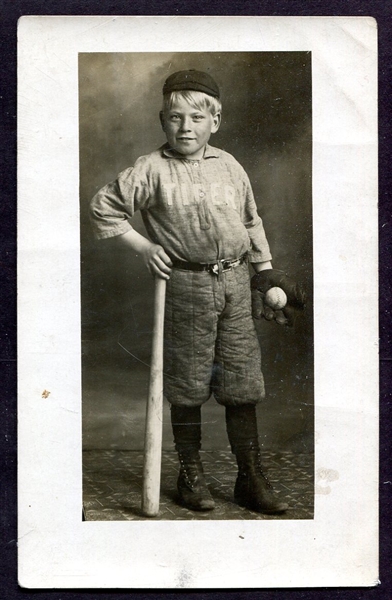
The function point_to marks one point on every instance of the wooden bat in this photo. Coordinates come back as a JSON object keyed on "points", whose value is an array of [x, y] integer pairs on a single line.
{"points": [[153, 432]]}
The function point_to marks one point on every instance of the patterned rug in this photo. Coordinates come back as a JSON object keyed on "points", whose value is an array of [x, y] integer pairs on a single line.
{"points": [[112, 484]]}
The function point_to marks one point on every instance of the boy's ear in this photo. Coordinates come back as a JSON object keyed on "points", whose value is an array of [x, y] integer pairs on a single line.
{"points": [[162, 120], [217, 121]]}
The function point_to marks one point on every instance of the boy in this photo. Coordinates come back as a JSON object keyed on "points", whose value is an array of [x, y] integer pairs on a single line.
{"points": [[198, 208]]}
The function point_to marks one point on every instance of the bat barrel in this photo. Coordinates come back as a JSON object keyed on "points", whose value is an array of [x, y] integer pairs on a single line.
{"points": [[153, 431]]}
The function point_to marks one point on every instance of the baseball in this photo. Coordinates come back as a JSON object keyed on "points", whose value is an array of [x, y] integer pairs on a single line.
{"points": [[275, 298]]}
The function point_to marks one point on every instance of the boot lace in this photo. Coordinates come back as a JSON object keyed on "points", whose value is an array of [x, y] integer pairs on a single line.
{"points": [[190, 467], [260, 471]]}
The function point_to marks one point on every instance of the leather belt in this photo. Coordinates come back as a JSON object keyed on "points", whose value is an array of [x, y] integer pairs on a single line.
{"points": [[217, 267]]}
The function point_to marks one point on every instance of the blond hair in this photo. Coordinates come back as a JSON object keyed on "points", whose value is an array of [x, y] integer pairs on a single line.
{"points": [[198, 100]]}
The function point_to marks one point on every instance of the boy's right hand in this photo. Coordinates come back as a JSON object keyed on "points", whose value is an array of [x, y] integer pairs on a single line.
{"points": [[157, 261]]}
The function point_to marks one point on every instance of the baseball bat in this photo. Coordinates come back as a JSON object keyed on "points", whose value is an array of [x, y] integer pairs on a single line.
{"points": [[153, 431]]}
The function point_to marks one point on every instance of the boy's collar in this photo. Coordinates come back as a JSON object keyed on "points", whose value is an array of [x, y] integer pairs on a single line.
{"points": [[209, 152]]}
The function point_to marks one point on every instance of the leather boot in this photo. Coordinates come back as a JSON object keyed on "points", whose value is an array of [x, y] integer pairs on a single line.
{"points": [[191, 485], [252, 488]]}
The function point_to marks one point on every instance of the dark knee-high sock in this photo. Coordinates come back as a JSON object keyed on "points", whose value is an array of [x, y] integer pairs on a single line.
{"points": [[241, 424], [186, 425]]}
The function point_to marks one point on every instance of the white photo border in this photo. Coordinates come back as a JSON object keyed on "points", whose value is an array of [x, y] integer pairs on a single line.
{"points": [[338, 547]]}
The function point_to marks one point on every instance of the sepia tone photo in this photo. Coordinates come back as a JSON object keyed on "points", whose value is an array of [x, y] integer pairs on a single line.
{"points": [[196, 173], [197, 355]]}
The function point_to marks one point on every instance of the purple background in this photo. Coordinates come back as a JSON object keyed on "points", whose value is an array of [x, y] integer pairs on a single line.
{"points": [[11, 11]]}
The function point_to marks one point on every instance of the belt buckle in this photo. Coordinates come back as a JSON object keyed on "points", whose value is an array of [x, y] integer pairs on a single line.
{"points": [[215, 268], [227, 265], [223, 265]]}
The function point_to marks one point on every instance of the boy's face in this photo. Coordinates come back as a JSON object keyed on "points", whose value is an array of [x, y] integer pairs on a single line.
{"points": [[188, 129]]}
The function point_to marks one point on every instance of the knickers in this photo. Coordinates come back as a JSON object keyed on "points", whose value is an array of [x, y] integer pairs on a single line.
{"points": [[211, 346]]}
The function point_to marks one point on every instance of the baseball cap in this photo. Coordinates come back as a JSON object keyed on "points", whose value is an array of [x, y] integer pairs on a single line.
{"points": [[191, 79]]}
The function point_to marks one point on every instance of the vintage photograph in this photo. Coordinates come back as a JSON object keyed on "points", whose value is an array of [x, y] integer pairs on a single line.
{"points": [[196, 209], [198, 342]]}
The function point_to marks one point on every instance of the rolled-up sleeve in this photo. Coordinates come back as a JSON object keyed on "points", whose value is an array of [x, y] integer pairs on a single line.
{"points": [[114, 205]]}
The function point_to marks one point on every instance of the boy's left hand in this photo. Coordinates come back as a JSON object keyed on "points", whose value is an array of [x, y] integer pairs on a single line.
{"points": [[296, 296]]}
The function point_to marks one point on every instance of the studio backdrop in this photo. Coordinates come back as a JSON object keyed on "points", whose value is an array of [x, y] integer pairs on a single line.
{"points": [[267, 126]]}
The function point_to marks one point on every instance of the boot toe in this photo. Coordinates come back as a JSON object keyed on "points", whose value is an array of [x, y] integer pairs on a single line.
{"points": [[194, 501], [267, 508], [205, 504], [194, 494], [277, 508], [255, 495]]}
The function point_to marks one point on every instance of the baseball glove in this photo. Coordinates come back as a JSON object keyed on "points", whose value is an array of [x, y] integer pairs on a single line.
{"points": [[295, 292]]}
